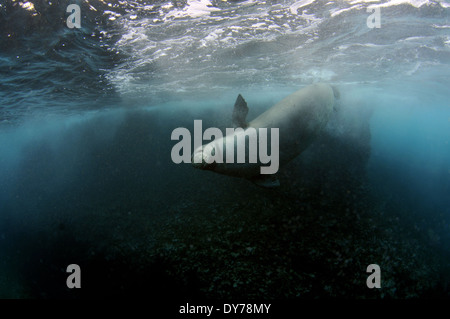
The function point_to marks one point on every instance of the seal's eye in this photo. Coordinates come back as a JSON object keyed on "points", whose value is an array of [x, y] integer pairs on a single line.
{"points": [[213, 152]]}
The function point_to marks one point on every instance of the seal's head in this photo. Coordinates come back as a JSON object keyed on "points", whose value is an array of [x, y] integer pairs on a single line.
{"points": [[203, 157]]}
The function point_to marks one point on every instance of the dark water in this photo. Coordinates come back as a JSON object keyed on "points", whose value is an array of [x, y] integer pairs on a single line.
{"points": [[86, 175]]}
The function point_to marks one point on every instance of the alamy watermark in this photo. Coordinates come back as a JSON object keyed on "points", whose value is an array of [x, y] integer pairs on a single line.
{"points": [[214, 151], [74, 19]]}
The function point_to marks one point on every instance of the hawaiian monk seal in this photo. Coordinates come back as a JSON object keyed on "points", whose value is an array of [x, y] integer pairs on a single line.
{"points": [[300, 117]]}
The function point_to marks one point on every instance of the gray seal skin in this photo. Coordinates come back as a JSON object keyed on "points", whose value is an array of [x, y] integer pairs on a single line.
{"points": [[300, 117]]}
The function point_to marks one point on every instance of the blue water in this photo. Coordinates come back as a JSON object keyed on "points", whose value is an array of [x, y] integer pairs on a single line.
{"points": [[86, 175]]}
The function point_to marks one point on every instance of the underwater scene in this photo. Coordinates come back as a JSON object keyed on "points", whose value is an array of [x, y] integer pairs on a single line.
{"points": [[105, 188]]}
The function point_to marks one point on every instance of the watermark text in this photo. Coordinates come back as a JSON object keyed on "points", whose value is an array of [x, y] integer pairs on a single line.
{"points": [[233, 148], [74, 19]]}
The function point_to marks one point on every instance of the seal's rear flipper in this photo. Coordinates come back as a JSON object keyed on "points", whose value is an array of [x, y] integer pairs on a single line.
{"points": [[266, 180], [240, 112]]}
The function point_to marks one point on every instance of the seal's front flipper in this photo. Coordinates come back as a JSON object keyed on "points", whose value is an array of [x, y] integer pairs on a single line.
{"points": [[266, 180], [240, 112]]}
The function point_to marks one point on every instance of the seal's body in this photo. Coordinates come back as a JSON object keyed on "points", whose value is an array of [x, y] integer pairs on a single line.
{"points": [[300, 117]]}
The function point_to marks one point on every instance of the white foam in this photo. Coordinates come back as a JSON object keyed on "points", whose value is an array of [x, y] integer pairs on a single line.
{"points": [[258, 25], [390, 3], [194, 9], [444, 3], [213, 36], [316, 75], [414, 3], [441, 26], [299, 4]]}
